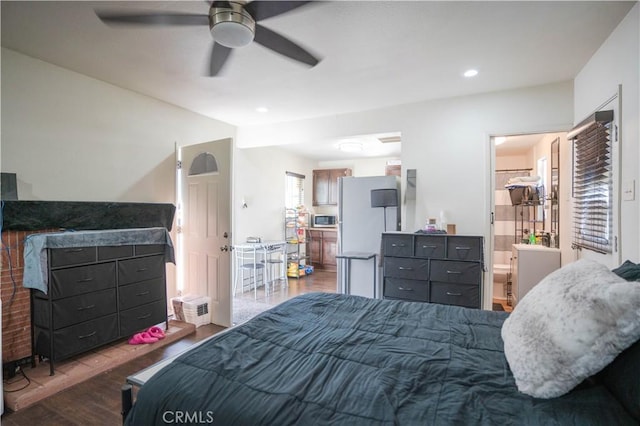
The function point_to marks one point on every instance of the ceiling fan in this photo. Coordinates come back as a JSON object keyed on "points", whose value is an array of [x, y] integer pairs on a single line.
{"points": [[232, 24]]}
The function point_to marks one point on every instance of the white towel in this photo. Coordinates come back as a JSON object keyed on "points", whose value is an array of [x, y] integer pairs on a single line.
{"points": [[521, 179]]}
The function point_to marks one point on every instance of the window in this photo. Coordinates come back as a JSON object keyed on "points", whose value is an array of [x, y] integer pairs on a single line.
{"points": [[593, 184], [204, 163], [294, 190]]}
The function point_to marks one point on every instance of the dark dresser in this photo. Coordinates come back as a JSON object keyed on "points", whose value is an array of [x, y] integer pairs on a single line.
{"points": [[97, 294], [436, 268]]}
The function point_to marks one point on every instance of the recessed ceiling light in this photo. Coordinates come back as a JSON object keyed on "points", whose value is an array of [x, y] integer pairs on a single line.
{"points": [[500, 140], [262, 109], [470, 73], [350, 146]]}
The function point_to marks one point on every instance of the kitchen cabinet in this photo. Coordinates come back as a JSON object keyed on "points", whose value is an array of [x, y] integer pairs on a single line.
{"points": [[325, 186], [530, 263], [323, 248]]}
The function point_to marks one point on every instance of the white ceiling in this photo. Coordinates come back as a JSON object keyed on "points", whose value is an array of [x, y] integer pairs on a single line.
{"points": [[374, 53]]}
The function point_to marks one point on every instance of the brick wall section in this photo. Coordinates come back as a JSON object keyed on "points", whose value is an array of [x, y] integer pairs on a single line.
{"points": [[16, 307]]}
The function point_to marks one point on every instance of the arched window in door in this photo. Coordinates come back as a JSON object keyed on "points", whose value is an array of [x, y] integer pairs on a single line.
{"points": [[204, 163]]}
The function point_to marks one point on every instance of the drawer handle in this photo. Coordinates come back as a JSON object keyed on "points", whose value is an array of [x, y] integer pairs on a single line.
{"points": [[462, 248], [405, 289], [453, 294], [85, 280], [144, 316], [454, 272], [405, 268], [431, 247], [397, 245], [86, 307], [141, 270], [87, 335], [75, 250], [144, 293]]}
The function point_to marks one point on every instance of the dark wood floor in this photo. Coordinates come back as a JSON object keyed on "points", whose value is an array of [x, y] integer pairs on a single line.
{"points": [[97, 400], [319, 280]]}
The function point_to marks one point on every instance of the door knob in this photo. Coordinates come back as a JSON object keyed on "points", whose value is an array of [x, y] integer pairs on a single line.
{"points": [[224, 248]]}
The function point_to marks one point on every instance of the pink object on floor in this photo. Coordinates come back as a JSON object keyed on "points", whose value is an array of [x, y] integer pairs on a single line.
{"points": [[142, 338], [156, 332]]}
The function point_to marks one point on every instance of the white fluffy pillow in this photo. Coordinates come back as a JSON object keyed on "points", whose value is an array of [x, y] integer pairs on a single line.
{"points": [[569, 327]]}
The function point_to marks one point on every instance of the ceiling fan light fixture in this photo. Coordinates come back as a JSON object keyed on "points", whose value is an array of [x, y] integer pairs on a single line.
{"points": [[232, 34], [232, 27]]}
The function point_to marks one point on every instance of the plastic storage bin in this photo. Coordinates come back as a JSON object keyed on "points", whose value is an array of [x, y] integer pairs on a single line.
{"points": [[192, 309]]}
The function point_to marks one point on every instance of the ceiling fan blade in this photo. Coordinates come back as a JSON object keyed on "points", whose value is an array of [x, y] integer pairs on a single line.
{"points": [[284, 46], [220, 3], [141, 18], [266, 9], [219, 56]]}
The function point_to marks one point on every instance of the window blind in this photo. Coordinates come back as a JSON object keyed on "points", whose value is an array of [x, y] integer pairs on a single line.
{"points": [[593, 185], [294, 190]]}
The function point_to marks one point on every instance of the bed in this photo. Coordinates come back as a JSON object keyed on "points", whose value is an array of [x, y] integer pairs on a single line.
{"points": [[321, 359]]}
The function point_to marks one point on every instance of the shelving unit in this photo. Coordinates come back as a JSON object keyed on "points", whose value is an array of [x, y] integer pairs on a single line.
{"points": [[296, 223], [526, 215]]}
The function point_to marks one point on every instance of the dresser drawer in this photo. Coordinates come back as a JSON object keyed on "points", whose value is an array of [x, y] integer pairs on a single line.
{"points": [[140, 269], [455, 294], [455, 272], [114, 252], [464, 248], [71, 256], [430, 246], [76, 309], [137, 294], [78, 338], [397, 288], [397, 245], [144, 249], [141, 317], [82, 279], [402, 267]]}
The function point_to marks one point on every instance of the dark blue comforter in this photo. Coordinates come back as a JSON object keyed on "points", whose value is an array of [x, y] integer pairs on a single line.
{"points": [[329, 359]]}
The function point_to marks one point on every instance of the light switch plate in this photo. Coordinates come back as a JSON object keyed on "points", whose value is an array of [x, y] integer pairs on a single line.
{"points": [[629, 190]]}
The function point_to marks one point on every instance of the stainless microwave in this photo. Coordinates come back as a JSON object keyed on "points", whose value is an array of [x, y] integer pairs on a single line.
{"points": [[324, 220]]}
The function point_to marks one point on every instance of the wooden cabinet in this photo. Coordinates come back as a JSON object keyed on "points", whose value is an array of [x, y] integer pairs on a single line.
{"points": [[323, 246], [325, 185], [437, 268], [97, 295], [329, 249], [315, 247]]}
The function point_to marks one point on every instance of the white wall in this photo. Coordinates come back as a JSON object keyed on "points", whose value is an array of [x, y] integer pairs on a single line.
{"points": [[69, 137], [522, 161], [259, 177], [618, 62]]}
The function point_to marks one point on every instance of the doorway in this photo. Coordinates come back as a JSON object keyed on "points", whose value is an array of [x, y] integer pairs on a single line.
{"points": [[204, 225], [525, 183]]}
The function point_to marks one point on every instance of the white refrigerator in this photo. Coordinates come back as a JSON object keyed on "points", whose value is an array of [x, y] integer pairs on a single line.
{"points": [[360, 228]]}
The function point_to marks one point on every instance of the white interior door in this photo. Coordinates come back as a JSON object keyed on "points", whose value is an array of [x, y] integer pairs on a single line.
{"points": [[204, 224]]}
